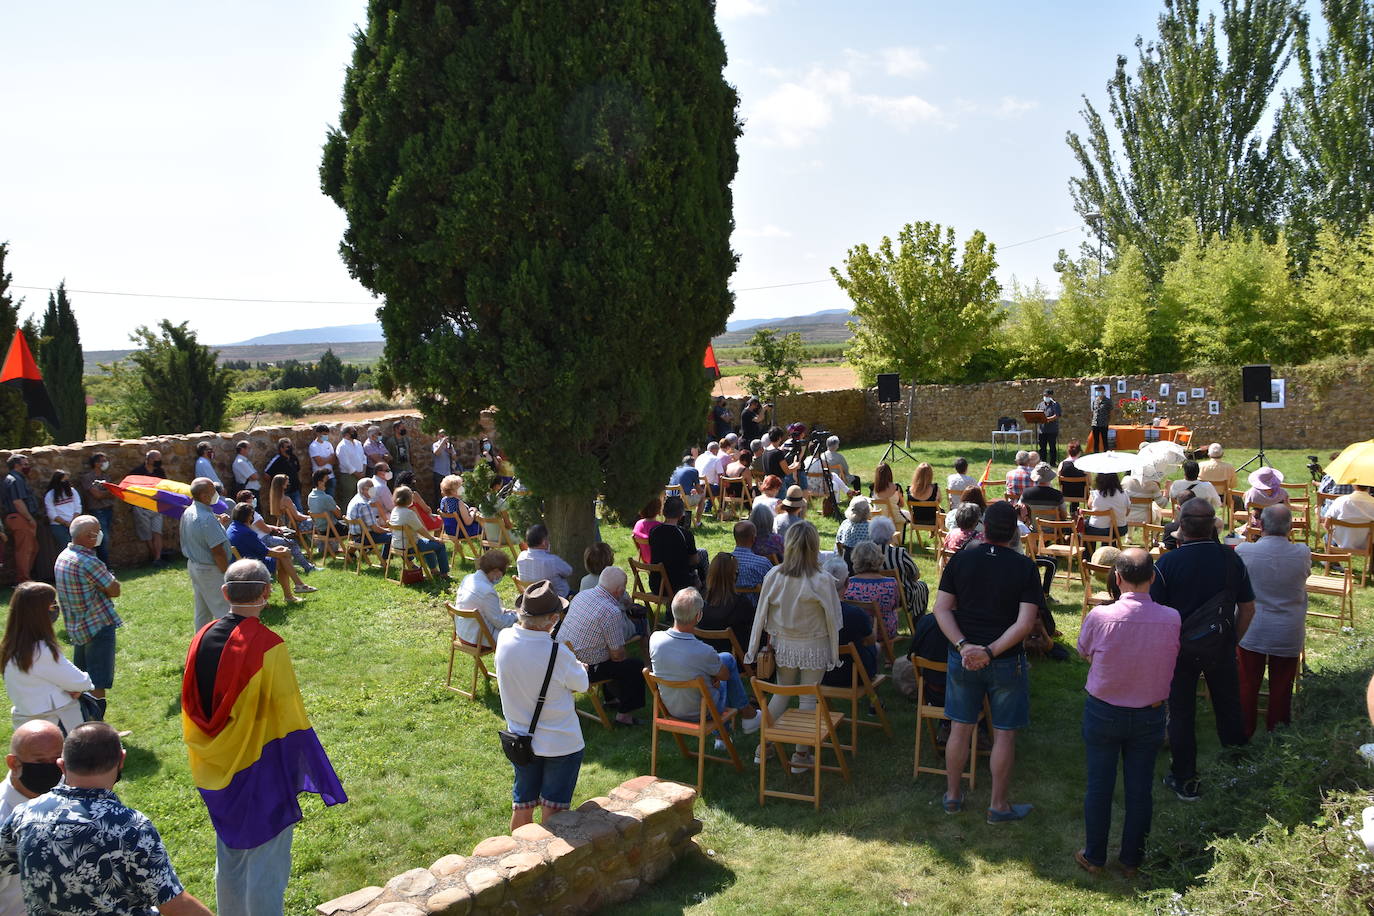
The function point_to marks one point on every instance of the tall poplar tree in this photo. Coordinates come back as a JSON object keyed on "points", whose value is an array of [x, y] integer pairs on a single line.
{"points": [[540, 193], [63, 366], [1185, 142]]}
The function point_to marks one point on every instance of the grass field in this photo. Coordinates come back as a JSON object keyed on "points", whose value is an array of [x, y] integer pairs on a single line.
{"points": [[426, 776]]}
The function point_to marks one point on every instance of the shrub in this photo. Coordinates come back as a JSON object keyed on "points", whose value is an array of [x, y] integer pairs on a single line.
{"points": [[288, 402]]}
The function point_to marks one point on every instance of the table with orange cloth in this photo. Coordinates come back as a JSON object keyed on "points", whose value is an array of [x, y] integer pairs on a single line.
{"points": [[1130, 438]]}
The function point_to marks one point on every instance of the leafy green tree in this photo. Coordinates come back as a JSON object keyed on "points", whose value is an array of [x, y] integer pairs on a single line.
{"points": [[1329, 119], [121, 406], [16, 430], [1138, 335], [63, 366], [779, 364], [1338, 290], [1188, 125], [186, 391], [328, 371], [922, 308], [540, 193]]}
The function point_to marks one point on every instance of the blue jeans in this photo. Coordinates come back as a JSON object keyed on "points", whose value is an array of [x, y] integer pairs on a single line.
{"points": [[730, 693], [106, 518], [547, 781], [252, 882], [435, 554], [1004, 681], [61, 536], [97, 657], [1132, 736]]}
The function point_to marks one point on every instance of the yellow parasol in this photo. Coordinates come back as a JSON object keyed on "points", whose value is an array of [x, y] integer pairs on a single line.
{"points": [[1354, 465]]}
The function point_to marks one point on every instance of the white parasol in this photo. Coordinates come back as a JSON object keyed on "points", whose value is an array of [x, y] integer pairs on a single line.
{"points": [[1106, 462], [1157, 459]]}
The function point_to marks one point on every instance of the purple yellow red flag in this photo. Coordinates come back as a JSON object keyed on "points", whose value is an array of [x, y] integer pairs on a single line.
{"points": [[158, 494], [21, 371]]}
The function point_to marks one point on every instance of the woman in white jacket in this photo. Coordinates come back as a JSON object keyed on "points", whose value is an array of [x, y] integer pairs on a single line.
{"points": [[40, 681]]}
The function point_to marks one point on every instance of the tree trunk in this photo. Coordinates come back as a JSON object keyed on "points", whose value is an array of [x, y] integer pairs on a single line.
{"points": [[910, 401], [571, 520]]}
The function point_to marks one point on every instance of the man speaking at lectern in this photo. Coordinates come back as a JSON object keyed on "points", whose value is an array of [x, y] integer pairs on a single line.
{"points": [[1049, 430]]}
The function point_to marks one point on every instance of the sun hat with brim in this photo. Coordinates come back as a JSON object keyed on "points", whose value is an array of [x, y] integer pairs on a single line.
{"points": [[795, 499], [1043, 473], [539, 600], [1266, 478]]}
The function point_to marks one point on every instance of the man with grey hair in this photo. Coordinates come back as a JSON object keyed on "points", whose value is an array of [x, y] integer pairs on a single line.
{"points": [[1278, 571], [678, 655], [86, 590], [1220, 474], [595, 629], [1019, 477], [206, 548]]}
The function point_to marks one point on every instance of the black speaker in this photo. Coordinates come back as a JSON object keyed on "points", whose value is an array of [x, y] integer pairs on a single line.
{"points": [[1255, 384], [889, 388]]}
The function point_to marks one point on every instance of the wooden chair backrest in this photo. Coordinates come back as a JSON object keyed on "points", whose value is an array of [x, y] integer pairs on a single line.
{"points": [[1367, 527], [708, 717], [766, 688], [488, 643]]}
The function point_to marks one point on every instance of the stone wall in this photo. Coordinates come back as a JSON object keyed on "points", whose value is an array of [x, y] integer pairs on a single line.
{"points": [[179, 461], [1324, 409], [577, 862]]}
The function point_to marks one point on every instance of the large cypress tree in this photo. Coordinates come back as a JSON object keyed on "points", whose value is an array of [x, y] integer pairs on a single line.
{"points": [[16, 430], [540, 192], [62, 365]]}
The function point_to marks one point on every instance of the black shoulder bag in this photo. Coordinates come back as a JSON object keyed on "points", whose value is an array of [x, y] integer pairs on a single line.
{"points": [[1207, 631], [520, 748]]}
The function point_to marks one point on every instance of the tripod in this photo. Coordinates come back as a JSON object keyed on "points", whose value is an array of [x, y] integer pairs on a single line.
{"points": [[815, 451], [893, 449], [1259, 456]]}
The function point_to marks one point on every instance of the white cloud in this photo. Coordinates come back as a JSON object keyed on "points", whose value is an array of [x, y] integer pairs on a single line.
{"points": [[768, 231], [900, 110], [1013, 107], [740, 9], [794, 112], [903, 61]]}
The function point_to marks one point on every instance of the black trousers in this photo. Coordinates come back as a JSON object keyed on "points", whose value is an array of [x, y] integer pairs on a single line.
{"points": [[1097, 441], [1223, 684], [627, 677], [1048, 443]]}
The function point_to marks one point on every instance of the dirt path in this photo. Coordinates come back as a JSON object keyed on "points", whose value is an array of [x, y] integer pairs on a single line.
{"points": [[813, 378]]}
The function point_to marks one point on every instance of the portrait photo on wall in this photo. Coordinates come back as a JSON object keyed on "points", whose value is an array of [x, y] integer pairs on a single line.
{"points": [[1214, 407], [1181, 398], [1164, 389], [1279, 386]]}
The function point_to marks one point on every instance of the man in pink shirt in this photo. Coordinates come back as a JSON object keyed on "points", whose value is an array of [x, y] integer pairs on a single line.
{"points": [[1131, 646]]}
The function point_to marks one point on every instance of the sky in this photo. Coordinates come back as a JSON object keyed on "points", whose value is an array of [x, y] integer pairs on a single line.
{"points": [[171, 150]]}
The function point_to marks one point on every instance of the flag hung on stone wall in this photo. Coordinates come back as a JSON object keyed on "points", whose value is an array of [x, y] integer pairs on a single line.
{"points": [[21, 371]]}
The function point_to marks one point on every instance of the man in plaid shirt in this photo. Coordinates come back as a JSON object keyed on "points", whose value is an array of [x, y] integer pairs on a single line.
{"points": [[594, 626], [86, 590], [1019, 477]]}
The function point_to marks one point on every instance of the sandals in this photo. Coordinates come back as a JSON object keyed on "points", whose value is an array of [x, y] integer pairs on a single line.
{"points": [[952, 805]]}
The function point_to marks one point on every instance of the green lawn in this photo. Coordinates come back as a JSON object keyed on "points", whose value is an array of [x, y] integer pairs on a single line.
{"points": [[426, 776]]}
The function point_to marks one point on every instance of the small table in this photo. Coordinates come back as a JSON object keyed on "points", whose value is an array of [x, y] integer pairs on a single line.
{"points": [[1006, 434], [1130, 438]]}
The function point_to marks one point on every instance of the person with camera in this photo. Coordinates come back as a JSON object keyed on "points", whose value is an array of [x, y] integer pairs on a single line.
{"points": [[538, 677], [751, 420]]}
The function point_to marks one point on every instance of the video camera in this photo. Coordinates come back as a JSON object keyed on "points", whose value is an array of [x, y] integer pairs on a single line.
{"points": [[1315, 469]]}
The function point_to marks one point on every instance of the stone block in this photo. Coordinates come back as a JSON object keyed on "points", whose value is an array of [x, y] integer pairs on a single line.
{"points": [[652, 810], [495, 847], [593, 804], [676, 794], [531, 833], [626, 823], [565, 820], [602, 832], [521, 868], [453, 901], [397, 909], [556, 887], [583, 877], [488, 886], [639, 783], [565, 854], [412, 883], [656, 867], [686, 832], [622, 890], [611, 864], [633, 855], [447, 865], [349, 903]]}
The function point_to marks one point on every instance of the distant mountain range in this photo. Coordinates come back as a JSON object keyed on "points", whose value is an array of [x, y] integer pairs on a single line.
{"points": [[339, 333], [827, 326]]}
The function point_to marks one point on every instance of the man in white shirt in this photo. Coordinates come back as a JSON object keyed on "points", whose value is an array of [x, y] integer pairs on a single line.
{"points": [[1190, 483], [958, 482], [205, 464], [352, 465], [537, 562], [381, 490], [33, 771], [1358, 507], [322, 456], [708, 466], [246, 476]]}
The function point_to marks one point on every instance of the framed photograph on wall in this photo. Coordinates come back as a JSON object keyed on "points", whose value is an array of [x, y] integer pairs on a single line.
{"points": [[1199, 394], [1121, 386], [1135, 394], [1149, 406], [1181, 397], [1214, 407], [1280, 389], [1163, 389]]}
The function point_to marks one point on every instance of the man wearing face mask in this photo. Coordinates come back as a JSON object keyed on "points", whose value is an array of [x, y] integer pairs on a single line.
{"points": [[478, 593], [352, 463], [148, 522], [33, 771], [86, 590], [381, 489], [251, 750], [285, 462], [322, 456], [98, 500], [398, 444], [78, 849], [206, 547], [20, 506]]}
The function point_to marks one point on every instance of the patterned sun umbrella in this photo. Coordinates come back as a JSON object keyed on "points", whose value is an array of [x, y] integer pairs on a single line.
{"points": [[170, 497]]}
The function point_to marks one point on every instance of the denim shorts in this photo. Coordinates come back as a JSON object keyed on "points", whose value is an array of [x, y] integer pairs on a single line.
{"points": [[1004, 681], [547, 781], [97, 657]]}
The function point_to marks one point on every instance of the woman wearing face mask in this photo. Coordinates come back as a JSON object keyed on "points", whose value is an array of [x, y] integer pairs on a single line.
{"points": [[63, 504], [477, 592], [453, 510], [40, 681], [275, 535], [287, 464], [277, 559], [98, 500]]}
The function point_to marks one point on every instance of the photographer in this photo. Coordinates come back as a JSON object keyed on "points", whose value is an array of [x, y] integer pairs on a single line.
{"points": [[751, 420]]}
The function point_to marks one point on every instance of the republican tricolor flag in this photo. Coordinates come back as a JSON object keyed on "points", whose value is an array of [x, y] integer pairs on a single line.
{"points": [[20, 371]]}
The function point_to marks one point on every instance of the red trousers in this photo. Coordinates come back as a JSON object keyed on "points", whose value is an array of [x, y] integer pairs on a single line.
{"points": [[1282, 672], [24, 544]]}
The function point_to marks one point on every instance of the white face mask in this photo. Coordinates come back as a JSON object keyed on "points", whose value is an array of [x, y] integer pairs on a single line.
{"points": [[460, 492], [99, 536], [104, 465]]}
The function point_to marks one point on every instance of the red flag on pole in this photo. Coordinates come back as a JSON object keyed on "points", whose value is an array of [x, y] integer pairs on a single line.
{"points": [[710, 364], [987, 474], [20, 371]]}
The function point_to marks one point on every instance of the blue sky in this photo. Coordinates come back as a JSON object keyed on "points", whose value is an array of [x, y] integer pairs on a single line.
{"points": [[172, 149]]}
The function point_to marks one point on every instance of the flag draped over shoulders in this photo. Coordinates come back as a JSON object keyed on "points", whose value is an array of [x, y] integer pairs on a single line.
{"points": [[252, 750]]}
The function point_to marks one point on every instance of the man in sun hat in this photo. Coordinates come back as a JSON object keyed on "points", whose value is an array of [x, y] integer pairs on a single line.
{"points": [[1220, 474], [791, 508]]}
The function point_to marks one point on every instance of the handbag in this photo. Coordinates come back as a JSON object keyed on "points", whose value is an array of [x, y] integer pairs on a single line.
{"points": [[92, 707], [1207, 631], [411, 575], [765, 663], [520, 748]]}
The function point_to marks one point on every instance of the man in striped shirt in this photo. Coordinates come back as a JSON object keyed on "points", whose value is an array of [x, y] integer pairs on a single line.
{"points": [[86, 590]]}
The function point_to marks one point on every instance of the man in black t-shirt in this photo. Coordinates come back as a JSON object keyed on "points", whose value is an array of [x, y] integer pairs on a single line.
{"points": [[673, 545], [987, 604], [1186, 578]]}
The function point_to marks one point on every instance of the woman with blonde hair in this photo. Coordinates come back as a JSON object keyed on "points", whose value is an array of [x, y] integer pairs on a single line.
{"points": [[799, 609], [40, 681], [403, 519], [281, 508], [453, 510], [923, 489]]}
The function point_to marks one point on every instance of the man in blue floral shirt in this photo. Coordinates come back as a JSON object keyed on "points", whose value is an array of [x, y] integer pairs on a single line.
{"points": [[79, 851]]}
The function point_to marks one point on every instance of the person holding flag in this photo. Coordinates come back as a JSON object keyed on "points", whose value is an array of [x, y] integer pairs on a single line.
{"points": [[251, 746]]}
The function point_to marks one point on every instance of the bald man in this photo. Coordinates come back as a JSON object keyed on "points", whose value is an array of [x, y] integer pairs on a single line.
{"points": [[32, 761]]}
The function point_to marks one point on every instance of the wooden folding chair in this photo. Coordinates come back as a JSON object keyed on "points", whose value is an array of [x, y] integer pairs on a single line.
{"points": [[1139, 502], [505, 539], [328, 546], [903, 612], [409, 555], [593, 693], [709, 719], [727, 635], [885, 639], [1153, 536], [360, 544], [1086, 540], [737, 502], [942, 558], [861, 687], [464, 544], [694, 512], [659, 600], [1093, 597], [927, 714], [813, 728], [486, 646], [1338, 586], [1365, 553], [1056, 540]]}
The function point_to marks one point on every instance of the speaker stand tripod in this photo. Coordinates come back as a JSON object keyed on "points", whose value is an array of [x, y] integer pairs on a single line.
{"points": [[1259, 456], [893, 449]]}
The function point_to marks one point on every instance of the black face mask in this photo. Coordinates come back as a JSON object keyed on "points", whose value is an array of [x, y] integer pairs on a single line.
{"points": [[39, 778]]}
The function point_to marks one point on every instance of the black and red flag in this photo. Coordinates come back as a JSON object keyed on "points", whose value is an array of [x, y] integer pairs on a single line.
{"points": [[20, 371], [709, 362]]}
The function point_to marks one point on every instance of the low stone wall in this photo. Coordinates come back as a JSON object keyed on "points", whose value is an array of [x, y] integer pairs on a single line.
{"points": [[579, 861], [179, 461]]}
